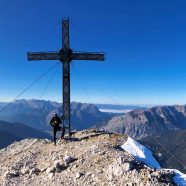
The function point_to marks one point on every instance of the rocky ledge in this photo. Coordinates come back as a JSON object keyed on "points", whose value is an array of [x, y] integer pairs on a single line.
{"points": [[90, 157]]}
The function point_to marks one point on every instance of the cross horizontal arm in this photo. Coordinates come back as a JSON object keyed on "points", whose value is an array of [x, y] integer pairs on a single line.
{"points": [[88, 56], [60, 56], [44, 56]]}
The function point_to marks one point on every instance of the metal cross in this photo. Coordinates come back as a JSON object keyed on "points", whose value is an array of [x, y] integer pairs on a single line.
{"points": [[66, 55]]}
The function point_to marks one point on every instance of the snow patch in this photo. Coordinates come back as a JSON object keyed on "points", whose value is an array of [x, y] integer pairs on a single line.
{"points": [[143, 154], [179, 177], [140, 152]]}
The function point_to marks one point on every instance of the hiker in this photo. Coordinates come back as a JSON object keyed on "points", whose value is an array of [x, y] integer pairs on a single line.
{"points": [[55, 123]]}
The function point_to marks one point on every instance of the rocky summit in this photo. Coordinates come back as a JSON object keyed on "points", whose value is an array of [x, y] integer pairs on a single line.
{"points": [[90, 157]]}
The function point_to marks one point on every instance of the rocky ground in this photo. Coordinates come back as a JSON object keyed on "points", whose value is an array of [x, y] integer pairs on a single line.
{"points": [[90, 158]]}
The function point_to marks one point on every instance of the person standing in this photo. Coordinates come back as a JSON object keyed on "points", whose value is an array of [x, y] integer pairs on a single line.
{"points": [[55, 123]]}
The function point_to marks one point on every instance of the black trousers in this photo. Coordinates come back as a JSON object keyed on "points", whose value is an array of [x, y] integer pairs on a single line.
{"points": [[55, 129]]}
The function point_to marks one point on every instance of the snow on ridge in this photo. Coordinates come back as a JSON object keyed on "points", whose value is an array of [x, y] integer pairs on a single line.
{"points": [[179, 177], [143, 154], [140, 152]]}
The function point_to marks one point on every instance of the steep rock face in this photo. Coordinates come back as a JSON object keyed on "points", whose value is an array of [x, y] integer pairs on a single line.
{"points": [[141, 123], [170, 142], [87, 115], [90, 158], [37, 113]]}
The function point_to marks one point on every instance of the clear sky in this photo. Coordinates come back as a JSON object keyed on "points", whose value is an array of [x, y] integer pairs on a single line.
{"points": [[144, 41]]}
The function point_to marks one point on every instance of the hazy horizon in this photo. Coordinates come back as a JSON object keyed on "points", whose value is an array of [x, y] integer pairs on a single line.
{"points": [[96, 103]]}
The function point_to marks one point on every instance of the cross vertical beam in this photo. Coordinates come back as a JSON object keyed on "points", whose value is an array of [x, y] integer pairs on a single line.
{"points": [[66, 55], [65, 34], [66, 74]]}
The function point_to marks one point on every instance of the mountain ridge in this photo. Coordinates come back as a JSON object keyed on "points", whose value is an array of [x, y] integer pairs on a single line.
{"points": [[37, 113], [141, 123]]}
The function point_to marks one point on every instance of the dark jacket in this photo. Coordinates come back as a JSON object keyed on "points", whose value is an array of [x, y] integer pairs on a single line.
{"points": [[55, 121]]}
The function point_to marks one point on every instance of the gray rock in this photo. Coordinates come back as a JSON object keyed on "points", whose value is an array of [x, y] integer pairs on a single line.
{"points": [[58, 166], [50, 170], [6, 175], [118, 169], [89, 174], [78, 175], [14, 173], [46, 141], [50, 175], [34, 171], [54, 158], [25, 170], [68, 159], [43, 169]]}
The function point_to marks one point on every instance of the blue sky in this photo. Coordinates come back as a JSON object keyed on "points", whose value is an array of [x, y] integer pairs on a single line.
{"points": [[144, 41]]}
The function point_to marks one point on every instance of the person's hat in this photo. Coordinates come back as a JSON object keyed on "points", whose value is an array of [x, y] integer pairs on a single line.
{"points": [[55, 114]]}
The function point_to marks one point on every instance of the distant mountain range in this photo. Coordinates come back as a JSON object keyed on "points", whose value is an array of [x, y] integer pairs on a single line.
{"points": [[153, 121], [37, 113], [10, 132]]}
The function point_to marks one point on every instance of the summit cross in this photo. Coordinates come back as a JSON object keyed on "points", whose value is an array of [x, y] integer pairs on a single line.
{"points": [[66, 55]]}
